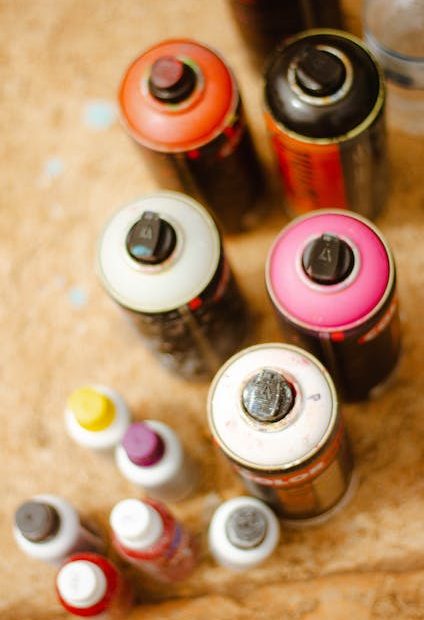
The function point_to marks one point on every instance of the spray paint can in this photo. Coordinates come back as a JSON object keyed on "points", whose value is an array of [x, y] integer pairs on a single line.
{"points": [[96, 417], [152, 457], [324, 110], [243, 533], [161, 258], [180, 102], [331, 277], [148, 536], [90, 586], [273, 411], [48, 528], [264, 24]]}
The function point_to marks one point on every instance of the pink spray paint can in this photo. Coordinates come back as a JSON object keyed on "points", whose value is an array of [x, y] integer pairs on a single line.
{"points": [[331, 277]]}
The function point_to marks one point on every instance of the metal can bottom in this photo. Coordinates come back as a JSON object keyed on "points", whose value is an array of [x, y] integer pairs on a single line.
{"points": [[349, 493]]}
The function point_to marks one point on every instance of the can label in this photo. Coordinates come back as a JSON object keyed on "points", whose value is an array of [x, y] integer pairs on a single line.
{"points": [[358, 359], [384, 322], [196, 339], [224, 172], [312, 174], [308, 490], [348, 174]]}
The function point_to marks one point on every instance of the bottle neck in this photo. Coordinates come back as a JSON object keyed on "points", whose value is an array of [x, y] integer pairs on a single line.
{"points": [[137, 525], [81, 584]]}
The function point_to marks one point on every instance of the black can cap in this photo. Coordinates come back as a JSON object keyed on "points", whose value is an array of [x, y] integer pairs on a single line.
{"points": [[171, 80], [151, 240], [37, 521], [319, 73], [302, 115], [246, 527], [268, 396], [328, 259]]}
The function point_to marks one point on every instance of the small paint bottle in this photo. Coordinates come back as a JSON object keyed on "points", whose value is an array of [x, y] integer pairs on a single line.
{"points": [[148, 536], [96, 417], [48, 528], [152, 457], [243, 532], [90, 586]]}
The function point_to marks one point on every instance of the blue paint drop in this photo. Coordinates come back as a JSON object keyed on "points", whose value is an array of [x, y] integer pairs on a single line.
{"points": [[53, 167], [99, 114], [77, 296], [140, 250]]}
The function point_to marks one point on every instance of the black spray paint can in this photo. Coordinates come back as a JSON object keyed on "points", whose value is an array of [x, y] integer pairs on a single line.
{"points": [[264, 24], [324, 99]]}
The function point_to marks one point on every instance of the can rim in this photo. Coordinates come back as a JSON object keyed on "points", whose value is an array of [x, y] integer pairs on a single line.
{"points": [[353, 324], [335, 413], [355, 131]]}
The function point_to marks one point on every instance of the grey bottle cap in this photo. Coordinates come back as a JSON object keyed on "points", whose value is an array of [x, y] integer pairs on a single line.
{"points": [[246, 527], [268, 397], [37, 521]]}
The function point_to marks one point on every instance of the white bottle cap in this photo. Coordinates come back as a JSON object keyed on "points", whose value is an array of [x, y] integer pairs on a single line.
{"points": [[136, 524], [81, 583]]}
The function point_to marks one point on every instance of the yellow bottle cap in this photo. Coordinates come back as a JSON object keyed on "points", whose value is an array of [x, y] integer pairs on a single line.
{"points": [[93, 410]]}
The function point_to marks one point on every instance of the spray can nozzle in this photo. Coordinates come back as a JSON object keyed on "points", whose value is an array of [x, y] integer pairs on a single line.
{"points": [[268, 396]]}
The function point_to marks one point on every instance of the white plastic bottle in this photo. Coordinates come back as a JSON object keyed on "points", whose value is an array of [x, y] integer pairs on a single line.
{"points": [[151, 457], [48, 528], [243, 532], [96, 417]]}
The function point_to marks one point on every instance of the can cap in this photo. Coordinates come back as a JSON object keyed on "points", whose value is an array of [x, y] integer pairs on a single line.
{"points": [[328, 259], [267, 396], [318, 72], [193, 74], [37, 521], [81, 583], [137, 524], [143, 445], [151, 240], [171, 80], [246, 527], [93, 410], [329, 308], [322, 85]]}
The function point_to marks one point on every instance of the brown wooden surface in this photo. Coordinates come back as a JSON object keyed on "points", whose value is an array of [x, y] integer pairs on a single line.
{"points": [[56, 57]]}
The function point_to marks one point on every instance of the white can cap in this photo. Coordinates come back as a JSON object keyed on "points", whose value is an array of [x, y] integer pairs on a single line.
{"points": [[177, 279], [81, 583], [136, 524]]}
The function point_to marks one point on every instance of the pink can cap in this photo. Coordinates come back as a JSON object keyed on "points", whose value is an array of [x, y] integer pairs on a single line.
{"points": [[358, 288], [143, 445]]}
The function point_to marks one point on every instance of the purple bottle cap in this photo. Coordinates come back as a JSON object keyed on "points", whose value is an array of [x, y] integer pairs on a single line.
{"points": [[143, 445]]}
